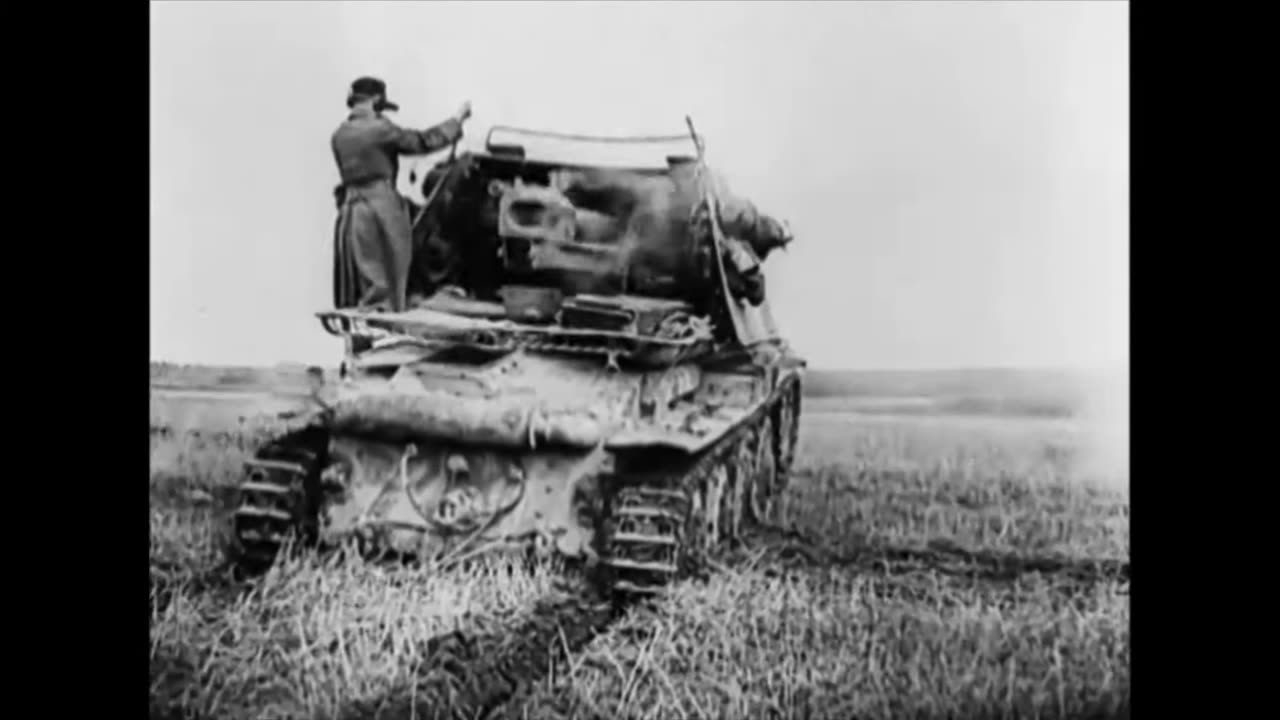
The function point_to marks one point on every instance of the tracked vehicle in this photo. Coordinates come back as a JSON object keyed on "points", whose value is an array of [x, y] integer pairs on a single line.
{"points": [[587, 369]]}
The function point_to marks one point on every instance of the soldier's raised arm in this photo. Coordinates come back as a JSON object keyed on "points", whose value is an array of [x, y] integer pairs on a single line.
{"points": [[425, 142], [741, 218]]}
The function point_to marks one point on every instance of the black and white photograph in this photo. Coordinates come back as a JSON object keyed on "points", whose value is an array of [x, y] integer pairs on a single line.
{"points": [[720, 359]]}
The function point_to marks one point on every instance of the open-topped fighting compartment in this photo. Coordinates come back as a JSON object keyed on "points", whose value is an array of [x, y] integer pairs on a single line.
{"points": [[616, 246], [515, 245]]}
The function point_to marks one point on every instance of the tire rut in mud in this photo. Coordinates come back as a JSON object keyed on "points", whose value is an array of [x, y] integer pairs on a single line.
{"points": [[780, 549], [481, 675]]}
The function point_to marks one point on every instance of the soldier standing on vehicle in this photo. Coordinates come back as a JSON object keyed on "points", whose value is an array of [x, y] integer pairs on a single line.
{"points": [[372, 236]]}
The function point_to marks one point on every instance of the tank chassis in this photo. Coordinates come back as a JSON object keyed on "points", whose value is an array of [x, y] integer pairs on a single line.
{"points": [[627, 427]]}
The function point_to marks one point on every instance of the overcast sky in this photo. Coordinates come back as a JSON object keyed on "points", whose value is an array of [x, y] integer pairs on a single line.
{"points": [[956, 173]]}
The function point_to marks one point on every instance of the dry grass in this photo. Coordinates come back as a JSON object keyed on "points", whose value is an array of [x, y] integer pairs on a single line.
{"points": [[991, 602]]}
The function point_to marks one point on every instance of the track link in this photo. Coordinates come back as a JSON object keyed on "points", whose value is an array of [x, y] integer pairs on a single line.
{"points": [[644, 537], [276, 499], [662, 524]]}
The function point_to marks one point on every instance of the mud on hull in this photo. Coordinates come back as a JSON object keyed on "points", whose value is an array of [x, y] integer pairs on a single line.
{"points": [[642, 515]]}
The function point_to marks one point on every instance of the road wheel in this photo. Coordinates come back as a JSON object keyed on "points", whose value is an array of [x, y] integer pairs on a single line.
{"points": [[764, 473], [787, 436]]}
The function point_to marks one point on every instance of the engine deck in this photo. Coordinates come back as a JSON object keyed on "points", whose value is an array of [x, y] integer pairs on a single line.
{"points": [[684, 339]]}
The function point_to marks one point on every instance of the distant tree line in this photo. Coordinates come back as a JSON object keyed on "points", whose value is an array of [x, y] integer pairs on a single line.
{"points": [[214, 377]]}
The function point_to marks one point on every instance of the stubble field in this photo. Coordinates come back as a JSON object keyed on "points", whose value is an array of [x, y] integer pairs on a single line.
{"points": [[940, 567]]}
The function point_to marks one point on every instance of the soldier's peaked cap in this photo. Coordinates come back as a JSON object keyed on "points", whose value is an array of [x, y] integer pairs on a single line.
{"points": [[367, 87]]}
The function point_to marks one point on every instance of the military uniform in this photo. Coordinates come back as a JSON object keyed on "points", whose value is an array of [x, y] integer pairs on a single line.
{"points": [[738, 217], [373, 244], [657, 212]]}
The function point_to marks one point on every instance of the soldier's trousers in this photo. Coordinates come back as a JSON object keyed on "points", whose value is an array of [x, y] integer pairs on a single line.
{"points": [[373, 248]]}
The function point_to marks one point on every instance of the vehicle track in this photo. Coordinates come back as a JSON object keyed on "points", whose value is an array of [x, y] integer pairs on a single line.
{"points": [[488, 675], [479, 675], [782, 548]]}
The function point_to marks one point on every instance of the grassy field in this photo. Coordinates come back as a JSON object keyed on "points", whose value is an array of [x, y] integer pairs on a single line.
{"points": [[954, 568]]}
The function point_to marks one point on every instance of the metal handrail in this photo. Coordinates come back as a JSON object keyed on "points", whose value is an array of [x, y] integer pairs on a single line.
{"points": [[615, 139]]}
